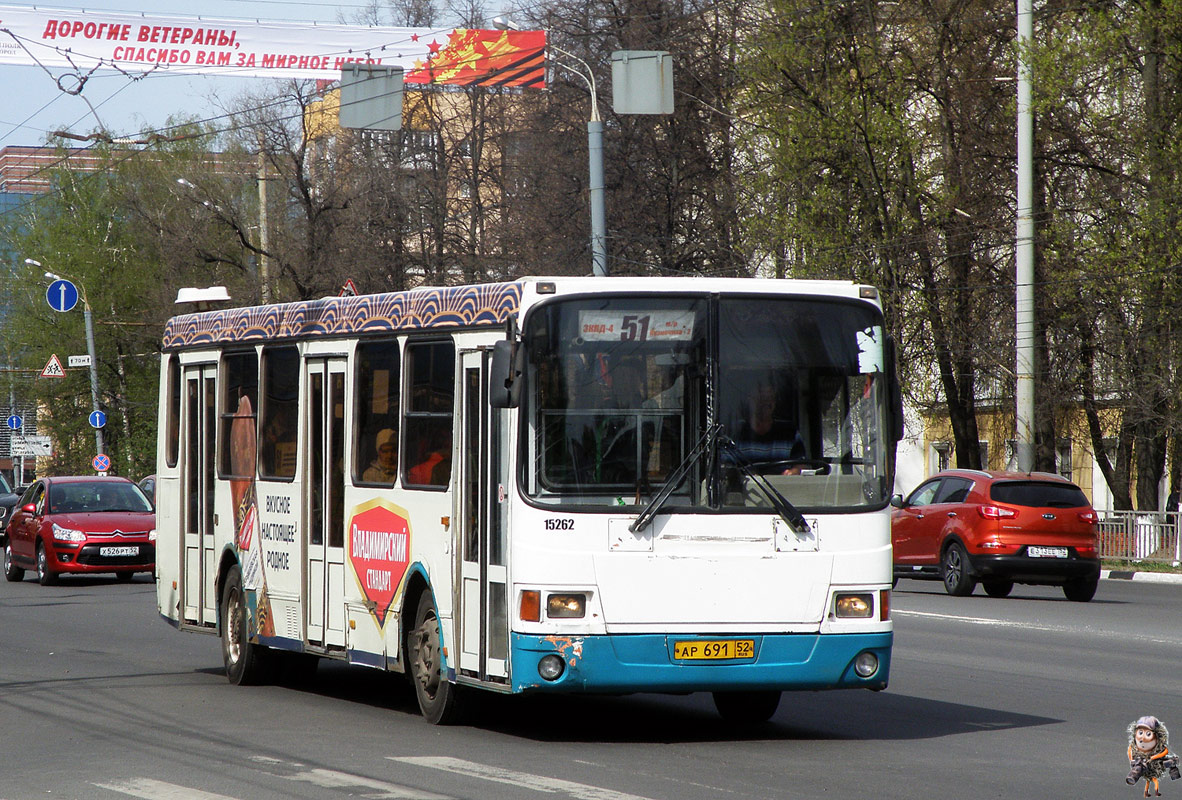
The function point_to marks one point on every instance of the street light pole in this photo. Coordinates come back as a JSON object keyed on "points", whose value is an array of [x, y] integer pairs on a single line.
{"points": [[100, 446], [594, 155], [595, 167]]}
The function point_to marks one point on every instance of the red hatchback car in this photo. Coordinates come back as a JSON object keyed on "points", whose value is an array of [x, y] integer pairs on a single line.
{"points": [[999, 528], [80, 525]]}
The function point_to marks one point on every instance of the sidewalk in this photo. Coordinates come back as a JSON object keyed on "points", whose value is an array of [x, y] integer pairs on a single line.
{"points": [[1147, 577]]}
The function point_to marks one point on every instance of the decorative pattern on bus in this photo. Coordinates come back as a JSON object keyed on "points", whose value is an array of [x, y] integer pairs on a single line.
{"points": [[446, 307]]}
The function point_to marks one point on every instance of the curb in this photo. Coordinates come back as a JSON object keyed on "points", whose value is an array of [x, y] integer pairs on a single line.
{"points": [[1144, 577]]}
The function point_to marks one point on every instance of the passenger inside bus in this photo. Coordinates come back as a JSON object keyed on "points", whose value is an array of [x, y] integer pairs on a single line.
{"points": [[279, 446], [435, 467], [384, 467]]}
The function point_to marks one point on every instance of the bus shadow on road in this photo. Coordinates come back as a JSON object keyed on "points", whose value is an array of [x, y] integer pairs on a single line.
{"points": [[640, 718], [836, 716]]}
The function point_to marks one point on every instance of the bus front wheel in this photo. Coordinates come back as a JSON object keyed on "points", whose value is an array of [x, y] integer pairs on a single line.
{"points": [[436, 696], [747, 707], [245, 662]]}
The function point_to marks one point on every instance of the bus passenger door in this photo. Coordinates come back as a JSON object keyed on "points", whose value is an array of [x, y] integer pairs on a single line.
{"points": [[324, 387], [199, 423], [484, 637]]}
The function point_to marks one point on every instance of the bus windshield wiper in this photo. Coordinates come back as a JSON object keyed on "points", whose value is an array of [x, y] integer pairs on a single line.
{"points": [[675, 479], [788, 512]]}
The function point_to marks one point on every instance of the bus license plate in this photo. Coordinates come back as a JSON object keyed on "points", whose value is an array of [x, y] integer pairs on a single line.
{"points": [[114, 552], [1034, 551], [716, 650]]}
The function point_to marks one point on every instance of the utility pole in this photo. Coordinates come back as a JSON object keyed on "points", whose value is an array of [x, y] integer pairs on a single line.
{"points": [[1024, 248], [264, 240]]}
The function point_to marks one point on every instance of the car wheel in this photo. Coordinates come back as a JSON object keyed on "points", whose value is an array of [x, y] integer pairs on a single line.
{"points": [[1080, 590], [746, 707], [246, 663], [998, 588], [954, 567], [12, 572], [45, 576], [436, 695]]}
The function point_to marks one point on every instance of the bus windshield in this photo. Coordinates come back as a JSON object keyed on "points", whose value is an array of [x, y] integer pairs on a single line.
{"points": [[621, 388]]}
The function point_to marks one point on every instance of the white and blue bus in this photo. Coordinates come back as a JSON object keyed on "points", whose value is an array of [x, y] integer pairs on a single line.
{"points": [[547, 485]]}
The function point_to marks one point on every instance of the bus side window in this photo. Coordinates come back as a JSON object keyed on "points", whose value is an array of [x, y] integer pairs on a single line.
{"points": [[240, 403], [173, 441], [375, 451], [279, 414], [427, 424]]}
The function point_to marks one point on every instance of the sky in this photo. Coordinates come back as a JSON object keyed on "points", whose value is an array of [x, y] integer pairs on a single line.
{"points": [[33, 106]]}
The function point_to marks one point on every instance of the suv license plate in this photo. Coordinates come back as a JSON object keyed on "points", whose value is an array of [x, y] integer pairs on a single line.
{"points": [[118, 551], [716, 650], [1046, 552]]}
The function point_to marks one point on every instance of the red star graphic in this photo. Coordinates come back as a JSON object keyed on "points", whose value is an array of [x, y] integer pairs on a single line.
{"points": [[414, 37], [434, 46]]}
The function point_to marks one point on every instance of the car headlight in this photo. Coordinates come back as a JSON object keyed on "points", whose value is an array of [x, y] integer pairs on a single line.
{"points": [[152, 535], [67, 534]]}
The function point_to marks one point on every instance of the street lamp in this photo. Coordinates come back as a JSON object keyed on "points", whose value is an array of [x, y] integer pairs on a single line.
{"points": [[594, 153], [263, 248], [86, 315]]}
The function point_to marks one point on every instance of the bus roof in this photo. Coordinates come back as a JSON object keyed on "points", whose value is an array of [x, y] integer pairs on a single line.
{"points": [[478, 305]]}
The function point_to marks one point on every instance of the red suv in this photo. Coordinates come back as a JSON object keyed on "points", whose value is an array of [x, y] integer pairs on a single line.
{"points": [[1000, 528]]}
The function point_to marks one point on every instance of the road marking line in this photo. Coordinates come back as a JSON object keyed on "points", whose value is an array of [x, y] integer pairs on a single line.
{"points": [[1030, 626], [1001, 623], [538, 783], [149, 789], [332, 779]]}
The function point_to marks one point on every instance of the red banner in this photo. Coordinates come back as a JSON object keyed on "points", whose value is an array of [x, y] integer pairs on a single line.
{"points": [[86, 40]]}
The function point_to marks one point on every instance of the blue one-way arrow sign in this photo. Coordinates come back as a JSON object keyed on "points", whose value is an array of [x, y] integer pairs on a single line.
{"points": [[97, 419], [15, 422], [62, 295]]}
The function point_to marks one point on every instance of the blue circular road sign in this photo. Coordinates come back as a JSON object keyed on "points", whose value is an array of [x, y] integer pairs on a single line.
{"points": [[15, 422], [101, 462], [97, 419], [62, 295]]}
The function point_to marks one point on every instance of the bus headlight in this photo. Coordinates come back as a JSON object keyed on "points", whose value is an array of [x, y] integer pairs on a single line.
{"points": [[566, 606], [866, 664], [551, 667], [856, 606]]}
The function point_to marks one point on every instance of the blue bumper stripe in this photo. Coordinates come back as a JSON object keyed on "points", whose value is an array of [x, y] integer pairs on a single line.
{"points": [[645, 663]]}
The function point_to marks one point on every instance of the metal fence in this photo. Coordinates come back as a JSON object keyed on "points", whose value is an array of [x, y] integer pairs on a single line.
{"points": [[1141, 536]]}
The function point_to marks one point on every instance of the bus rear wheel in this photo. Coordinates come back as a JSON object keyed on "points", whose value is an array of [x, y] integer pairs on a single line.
{"points": [[246, 663], [437, 697], [747, 707]]}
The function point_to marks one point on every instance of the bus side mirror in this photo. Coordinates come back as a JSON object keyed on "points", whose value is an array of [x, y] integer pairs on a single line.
{"points": [[895, 391], [504, 386]]}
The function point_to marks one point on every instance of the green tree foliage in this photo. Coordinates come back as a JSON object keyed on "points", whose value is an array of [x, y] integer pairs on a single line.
{"points": [[1108, 101], [879, 129], [93, 229]]}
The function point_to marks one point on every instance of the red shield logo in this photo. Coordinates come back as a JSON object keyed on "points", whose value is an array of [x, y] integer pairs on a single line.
{"points": [[379, 550]]}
